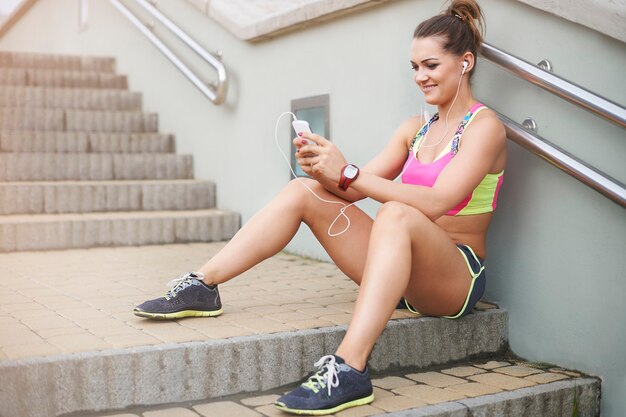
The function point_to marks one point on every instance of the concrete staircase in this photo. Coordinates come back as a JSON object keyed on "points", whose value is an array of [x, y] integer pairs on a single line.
{"points": [[81, 165]]}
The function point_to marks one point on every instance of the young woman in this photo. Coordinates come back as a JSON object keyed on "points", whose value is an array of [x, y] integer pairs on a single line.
{"points": [[427, 242]]}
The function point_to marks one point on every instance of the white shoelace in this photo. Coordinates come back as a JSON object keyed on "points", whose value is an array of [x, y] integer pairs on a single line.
{"points": [[328, 379], [178, 284]]}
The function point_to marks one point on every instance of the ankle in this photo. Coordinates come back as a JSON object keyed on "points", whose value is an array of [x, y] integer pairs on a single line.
{"points": [[208, 276], [209, 282], [353, 361]]}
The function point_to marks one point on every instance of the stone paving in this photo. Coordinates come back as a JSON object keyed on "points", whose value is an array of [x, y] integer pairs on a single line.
{"points": [[392, 392], [65, 302], [62, 302]]}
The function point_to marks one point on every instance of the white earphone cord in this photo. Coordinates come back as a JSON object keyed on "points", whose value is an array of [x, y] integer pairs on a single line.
{"points": [[342, 211], [458, 88], [344, 206], [413, 156]]}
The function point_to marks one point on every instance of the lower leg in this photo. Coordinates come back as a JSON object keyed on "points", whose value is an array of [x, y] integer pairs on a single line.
{"points": [[409, 256], [264, 235], [274, 226], [385, 279]]}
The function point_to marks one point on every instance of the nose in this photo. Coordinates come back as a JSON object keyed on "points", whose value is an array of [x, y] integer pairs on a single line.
{"points": [[420, 76]]}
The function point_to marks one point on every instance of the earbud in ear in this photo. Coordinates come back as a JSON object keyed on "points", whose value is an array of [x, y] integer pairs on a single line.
{"points": [[465, 65]]}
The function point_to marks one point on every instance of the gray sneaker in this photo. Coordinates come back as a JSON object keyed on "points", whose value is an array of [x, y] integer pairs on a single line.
{"points": [[335, 387], [188, 297]]}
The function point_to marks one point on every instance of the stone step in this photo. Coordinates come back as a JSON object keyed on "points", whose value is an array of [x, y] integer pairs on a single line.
{"points": [[77, 120], [72, 345], [93, 167], [70, 98], [467, 389], [200, 370], [33, 141], [56, 61], [70, 342], [100, 196], [62, 78], [63, 231]]}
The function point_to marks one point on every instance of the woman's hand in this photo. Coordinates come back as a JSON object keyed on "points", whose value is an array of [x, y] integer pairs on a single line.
{"points": [[321, 160]]}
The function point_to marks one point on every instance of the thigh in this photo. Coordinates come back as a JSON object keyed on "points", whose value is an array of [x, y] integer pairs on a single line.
{"points": [[349, 249], [440, 280]]}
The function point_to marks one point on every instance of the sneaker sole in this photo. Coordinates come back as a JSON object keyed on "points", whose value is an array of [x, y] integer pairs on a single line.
{"points": [[178, 314], [353, 403]]}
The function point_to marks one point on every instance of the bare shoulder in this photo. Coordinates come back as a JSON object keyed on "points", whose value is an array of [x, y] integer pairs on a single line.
{"points": [[487, 126], [412, 124], [486, 141], [409, 128], [489, 120]]}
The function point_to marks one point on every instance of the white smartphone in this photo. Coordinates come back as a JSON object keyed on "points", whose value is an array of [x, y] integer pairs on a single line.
{"points": [[302, 126]]}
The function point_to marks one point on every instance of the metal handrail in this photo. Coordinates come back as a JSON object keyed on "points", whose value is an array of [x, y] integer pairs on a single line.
{"points": [[557, 85], [217, 92], [18, 11], [598, 180]]}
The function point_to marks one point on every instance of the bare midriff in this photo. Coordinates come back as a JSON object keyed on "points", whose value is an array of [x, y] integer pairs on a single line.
{"points": [[468, 230]]}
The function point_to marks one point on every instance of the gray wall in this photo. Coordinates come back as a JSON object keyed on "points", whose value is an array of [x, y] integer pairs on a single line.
{"points": [[556, 250]]}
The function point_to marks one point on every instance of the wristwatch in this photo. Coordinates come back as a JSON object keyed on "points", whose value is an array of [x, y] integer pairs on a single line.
{"points": [[349, 173]]}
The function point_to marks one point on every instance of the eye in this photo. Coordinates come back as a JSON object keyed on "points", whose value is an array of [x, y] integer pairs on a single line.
{"points": [[414, 67], [432, 66]]}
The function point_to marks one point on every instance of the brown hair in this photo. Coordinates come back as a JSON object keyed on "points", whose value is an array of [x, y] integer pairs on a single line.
{"points": [[461, 27]]}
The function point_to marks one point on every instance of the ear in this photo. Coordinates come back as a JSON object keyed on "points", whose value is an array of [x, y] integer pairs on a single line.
{"points": [[470, 59]]}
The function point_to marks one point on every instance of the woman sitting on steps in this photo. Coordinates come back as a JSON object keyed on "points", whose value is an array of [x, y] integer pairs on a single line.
{"points": [[427, 242]]}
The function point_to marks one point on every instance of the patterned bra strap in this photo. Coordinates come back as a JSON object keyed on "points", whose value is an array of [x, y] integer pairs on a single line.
{"points": [[457, 135], [466, 120], [423, 130]]}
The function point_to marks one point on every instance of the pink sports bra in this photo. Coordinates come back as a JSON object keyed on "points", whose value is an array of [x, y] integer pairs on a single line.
{"points": [[484, 197]]}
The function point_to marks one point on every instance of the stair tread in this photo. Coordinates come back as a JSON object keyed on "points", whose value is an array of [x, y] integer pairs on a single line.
{"points": [[94, 155], [94, 166], [69, 98], [60, 110], [64, 132], [9, 59], [89, 183], [41, 118], [43, 218], [32, 141], [398, 394], [61, 78], [60, 89], [284, 289], [53, 197]]}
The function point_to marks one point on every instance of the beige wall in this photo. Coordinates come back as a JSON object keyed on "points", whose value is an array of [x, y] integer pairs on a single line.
{"points": [[556, 248], [605, 16]]}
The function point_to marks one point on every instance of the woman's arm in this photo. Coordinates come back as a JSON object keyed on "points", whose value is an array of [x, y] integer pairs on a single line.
{"points": [[482, 151], [386, 165]]}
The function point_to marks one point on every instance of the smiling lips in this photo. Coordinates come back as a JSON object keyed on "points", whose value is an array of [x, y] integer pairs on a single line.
{"points": [[429, 87]]}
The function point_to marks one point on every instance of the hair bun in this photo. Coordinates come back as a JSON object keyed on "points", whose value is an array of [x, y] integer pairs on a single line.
{"points": [[469, 12]]}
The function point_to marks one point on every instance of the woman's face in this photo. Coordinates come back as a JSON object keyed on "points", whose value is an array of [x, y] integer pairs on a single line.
{"points": [[437, 72]]}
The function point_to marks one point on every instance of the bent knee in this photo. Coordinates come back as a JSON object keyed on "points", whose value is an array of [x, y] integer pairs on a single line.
{"points": [[302, 187], [299, 190], [396, 212]]}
